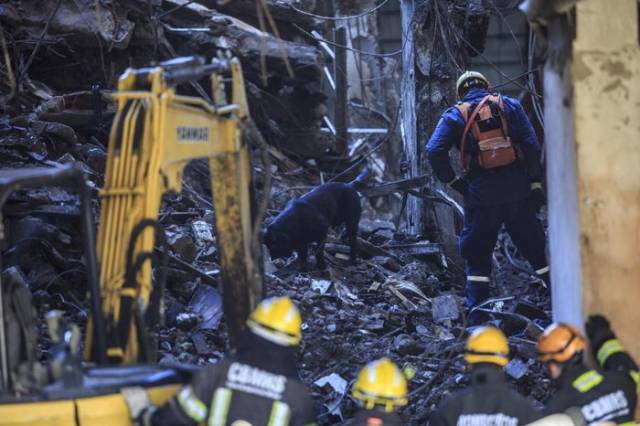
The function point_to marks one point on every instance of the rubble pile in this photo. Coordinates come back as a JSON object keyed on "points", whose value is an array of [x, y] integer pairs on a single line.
{"points": [[61, 59]]}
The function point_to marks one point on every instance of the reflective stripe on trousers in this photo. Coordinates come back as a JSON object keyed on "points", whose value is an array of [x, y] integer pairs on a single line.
{"points": [[477, 278]]}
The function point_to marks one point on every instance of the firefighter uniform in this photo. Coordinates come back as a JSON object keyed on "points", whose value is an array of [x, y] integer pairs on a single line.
{"points": [[380, 389], [494, 196], [258, 386], [488, 400], [607, 393]]}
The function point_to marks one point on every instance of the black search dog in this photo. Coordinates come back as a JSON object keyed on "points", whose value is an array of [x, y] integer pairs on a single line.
{"points": [[307, 220]]}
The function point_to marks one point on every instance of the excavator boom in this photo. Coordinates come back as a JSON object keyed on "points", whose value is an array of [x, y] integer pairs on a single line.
{"points": [[155, 133]]}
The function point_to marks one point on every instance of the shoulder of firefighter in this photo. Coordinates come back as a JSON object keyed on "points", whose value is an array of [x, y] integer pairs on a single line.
{"points": [[607, 393], [489, 403], [450, 128], [231, 392]]}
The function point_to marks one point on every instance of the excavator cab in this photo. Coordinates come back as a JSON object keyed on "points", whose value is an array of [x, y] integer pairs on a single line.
{"points": [[154, 134]]}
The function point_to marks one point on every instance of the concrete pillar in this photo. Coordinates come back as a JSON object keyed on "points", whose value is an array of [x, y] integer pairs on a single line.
{"points": [[594, 147]]}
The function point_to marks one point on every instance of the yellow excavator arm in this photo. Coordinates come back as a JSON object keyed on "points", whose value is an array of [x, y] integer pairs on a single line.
{"points": [[155, 133]]}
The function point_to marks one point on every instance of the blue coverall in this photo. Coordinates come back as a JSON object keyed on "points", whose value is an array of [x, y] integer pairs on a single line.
{"points": [[494, 196]]}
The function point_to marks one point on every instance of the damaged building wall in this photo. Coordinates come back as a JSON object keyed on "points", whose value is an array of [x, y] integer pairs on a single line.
{"points": [[594, 122]]}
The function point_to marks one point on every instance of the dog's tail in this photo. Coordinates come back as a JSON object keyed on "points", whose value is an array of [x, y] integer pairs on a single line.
{"points": [[360, 182]]}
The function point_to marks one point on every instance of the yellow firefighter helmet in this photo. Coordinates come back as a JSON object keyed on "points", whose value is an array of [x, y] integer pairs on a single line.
{"points": [[278, 320], [381, 383], [487, 344]]}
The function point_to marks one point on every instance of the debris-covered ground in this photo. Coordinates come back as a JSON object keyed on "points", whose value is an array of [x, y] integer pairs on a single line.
{"points": [[404, 297]]}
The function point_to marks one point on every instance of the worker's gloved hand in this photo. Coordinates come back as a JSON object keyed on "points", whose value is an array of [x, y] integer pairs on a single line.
{"points": [[537, 198], [459, 185], [140, 407], [598, 330]]}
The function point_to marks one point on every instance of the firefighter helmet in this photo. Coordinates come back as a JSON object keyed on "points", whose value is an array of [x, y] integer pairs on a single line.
{"points": [[487, 344], [381, 383], [278, 320], [560, 342], [468, 80]]}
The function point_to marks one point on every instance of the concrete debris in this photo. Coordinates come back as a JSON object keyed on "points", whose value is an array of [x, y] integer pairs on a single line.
{"points": [[202, 232], [517, 369], [200, 344], [443, 333], [405, 345], [207, 304], [334, 381], [321, 286], [444, 308], [187, 321], [182, 245]]}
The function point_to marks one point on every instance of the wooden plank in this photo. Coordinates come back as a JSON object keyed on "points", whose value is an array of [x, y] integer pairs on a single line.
{"points": [[408, 99]]}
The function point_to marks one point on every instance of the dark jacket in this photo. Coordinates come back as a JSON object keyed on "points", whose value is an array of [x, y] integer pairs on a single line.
{"points": [[487, 401], [375, 418], [259, 385], [495, 186], [608, 393]]}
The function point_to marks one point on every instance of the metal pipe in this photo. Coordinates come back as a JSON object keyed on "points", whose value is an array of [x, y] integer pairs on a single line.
{"points": [[93, 280], [3, 337]]}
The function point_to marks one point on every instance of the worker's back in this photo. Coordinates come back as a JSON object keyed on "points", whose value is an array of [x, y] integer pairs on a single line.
{"points": [[259, 386], [601, 395], [487, 401]]}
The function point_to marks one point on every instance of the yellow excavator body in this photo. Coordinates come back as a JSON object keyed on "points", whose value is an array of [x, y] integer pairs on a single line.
{"points": [[101, 410], [155, 133]]}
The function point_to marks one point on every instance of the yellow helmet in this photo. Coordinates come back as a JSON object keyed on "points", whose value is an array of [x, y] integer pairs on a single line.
{"points": [[278, 320], [468, 79], [381, 383], [560, 342], [487, 344]]}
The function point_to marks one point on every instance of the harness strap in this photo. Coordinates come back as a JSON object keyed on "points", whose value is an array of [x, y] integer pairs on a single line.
{"points": [[470, 120], [464, 110]]}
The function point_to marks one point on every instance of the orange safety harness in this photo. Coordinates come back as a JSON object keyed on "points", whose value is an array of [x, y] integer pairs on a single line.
{"points": [[489, 128]]}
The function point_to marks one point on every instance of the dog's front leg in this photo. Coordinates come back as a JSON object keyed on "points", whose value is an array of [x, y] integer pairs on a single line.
{"points": [[353, 242], [302, 257], [320, 262]]}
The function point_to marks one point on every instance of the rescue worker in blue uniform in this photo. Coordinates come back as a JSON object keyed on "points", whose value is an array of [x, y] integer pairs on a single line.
{"points": [[501, 183]]}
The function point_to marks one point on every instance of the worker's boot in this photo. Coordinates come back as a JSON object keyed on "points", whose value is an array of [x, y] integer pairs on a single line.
{"points": [[477, 290]]}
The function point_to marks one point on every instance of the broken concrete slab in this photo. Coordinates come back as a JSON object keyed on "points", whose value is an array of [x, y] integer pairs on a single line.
{"points": [[516, 368], [207, 304], [200, 344], [183, 246], [321, 286], [444, 308], [202, 232], [187, 321], [406, 345], [334, 381]]}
